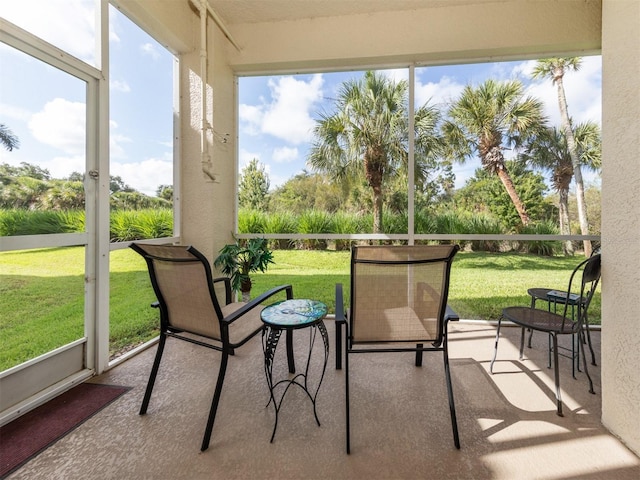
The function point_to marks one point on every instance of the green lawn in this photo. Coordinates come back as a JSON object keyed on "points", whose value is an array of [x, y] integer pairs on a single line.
{"points": [[42, 304]]}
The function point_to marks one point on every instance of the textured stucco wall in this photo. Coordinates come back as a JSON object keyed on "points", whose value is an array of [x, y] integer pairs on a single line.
{"points": [[208, 190], [621, 220]]}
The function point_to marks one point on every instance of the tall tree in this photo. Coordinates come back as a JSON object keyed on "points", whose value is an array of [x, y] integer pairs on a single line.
{"points": [[7, 138], [368, 135], [555, 68], [254, 186], [485, 120], [165, 192], [484, 193], [550, 151]]}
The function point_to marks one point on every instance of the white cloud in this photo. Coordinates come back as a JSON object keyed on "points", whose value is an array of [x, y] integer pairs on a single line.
{"points": [[145, 176], [61, 124], [276, 181], [439, 93], [67, 24], [244, 157], [396, 74], [151, 50], [119, 86], [250, 117], [13, 112], [58, 167], [62, 167], [523, 70], [285, 155], [116, 149], [288, 115]]}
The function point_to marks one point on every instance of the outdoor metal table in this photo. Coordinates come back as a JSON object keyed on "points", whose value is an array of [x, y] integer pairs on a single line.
{"points": [[287, 316]]}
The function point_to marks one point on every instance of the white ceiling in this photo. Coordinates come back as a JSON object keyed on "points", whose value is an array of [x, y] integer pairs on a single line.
{"points": [[255, 11]]}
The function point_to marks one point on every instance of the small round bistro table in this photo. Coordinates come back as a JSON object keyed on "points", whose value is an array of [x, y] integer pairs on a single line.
{"points": [[287, 316]]}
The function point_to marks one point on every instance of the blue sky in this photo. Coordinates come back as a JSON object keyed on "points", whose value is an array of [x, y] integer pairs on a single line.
{"points": [[45, 107]]}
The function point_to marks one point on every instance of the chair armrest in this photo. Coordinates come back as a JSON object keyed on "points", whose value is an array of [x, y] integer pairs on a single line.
{"points": [[450, 315], [256, 302], [340, 317], [227, 288]]}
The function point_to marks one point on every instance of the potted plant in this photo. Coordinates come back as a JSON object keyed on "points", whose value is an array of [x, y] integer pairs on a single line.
{"points": [[237, 261]]}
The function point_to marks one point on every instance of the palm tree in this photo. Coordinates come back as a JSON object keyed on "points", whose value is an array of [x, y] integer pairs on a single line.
{"points": [[549, 151], [8, 138], [486, 120], [368, 135], [555, 68]]}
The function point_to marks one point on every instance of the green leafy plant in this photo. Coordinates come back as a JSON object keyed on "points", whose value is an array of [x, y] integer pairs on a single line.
{"points": [[238, 260]]}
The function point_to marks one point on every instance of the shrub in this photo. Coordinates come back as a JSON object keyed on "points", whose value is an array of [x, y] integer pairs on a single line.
{"points": [[344, 223], [251, 221], [546, 248], [452, 222], [155, 223], [281, 222], [314, 221], [483, 224], [122, 226], [424, 222], [394, 222], [37, 222], [128, 225]]}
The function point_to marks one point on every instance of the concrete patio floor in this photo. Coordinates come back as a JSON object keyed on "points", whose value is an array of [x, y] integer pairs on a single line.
{"points": [[400, 421]]}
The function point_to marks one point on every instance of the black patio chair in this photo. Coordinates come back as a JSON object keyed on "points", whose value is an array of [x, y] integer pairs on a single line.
{"points": [[398, 304], [183, 284], [558, 324], [556, 298]]}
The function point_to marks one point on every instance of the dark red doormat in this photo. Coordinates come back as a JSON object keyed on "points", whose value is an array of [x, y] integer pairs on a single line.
{"points": [[34, 431]]}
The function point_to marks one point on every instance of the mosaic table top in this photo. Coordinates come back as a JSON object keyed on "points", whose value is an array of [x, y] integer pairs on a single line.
{"points": [[294, 313]]}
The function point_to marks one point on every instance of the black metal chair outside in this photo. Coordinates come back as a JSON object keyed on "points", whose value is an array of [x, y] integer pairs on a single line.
{"points": [[557, 297], [182, 281], [398, 304], [558, 324]]}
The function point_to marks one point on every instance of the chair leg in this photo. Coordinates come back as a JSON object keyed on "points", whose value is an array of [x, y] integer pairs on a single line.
{"points": [[533, 305], [338, 346], [346, 388], [216, 400], [153, 374], [522, 343], [452, 407], [495, 349], [593, 355], [557, 374], [586, 370], [419, 354]]}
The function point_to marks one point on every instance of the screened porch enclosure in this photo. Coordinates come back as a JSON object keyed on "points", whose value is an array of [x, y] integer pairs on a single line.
{"points": [[216, 41]]}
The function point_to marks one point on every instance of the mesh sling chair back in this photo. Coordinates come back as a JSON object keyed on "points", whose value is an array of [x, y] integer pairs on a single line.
{"points": [[182, 281], [559, 323], [398, 304]]}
